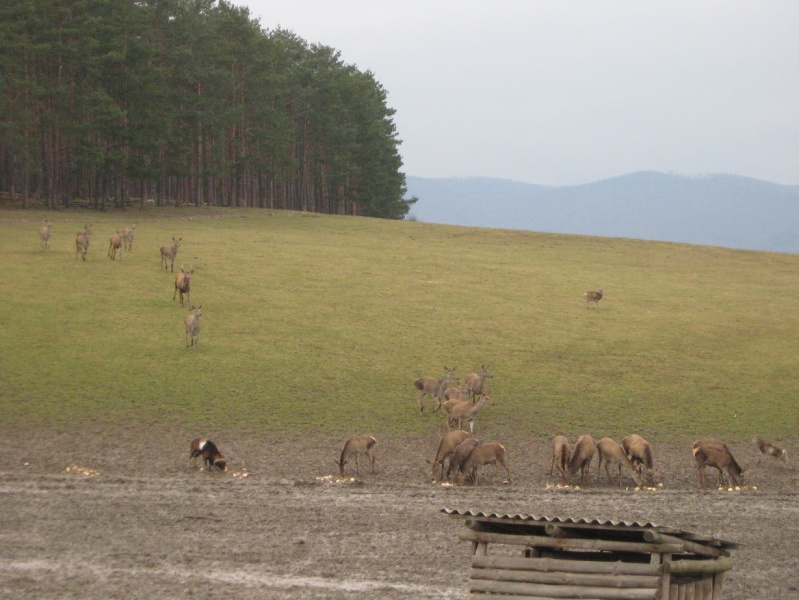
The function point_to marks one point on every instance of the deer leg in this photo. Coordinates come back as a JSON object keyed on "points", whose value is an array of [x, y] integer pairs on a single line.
{"points": [[372, 470], [421, 406]]}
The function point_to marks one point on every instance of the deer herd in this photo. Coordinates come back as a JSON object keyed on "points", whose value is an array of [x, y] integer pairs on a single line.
{"points": [[123, 240]]}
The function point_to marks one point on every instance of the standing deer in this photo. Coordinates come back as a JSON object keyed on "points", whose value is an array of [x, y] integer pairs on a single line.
{"points": [[183, 284], [168, 253], [465, 411], [446, 447], [487, 454], [44, 234], [719, 457], [82, 241], [767, 449], [127, 237], [561, 456], [434, 388], [354, 447], [193, 326], [582, 455], [594, 297], [114, 244], [640, 454], [613, 454], [458, 393], [474, 382], [458, 458]]}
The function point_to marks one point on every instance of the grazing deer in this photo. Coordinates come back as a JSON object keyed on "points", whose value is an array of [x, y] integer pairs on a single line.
{"points": [[458, 458], [768, 449], [44, 234], [183, 284], [715, 443], [465, 411], [561, 456], [487, 454], [434, 388], [82, 241], [193, 326], [114, 244], [446, 448], [127, 237], [582, 455], [719, 457], [354, 447], [168, 253], [458, 393], [594, 297], [212, 457], [474, 382], [640, 454], [613, 454]]}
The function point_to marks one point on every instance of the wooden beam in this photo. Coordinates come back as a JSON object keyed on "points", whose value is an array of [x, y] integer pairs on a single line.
{"points": [[688, 546], [575, 579], [567, 543], [695, 567], [560, 591], [546, 565]]}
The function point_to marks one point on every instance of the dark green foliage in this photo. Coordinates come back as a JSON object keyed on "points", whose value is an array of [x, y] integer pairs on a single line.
{"points": [[187, 102]]}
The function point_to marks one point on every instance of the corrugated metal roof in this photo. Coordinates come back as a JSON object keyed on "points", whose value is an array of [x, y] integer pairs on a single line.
{"points": [[520, 518]]}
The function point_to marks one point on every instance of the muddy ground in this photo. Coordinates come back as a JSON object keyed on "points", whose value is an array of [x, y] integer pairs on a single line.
{"points": [[131, 519]]}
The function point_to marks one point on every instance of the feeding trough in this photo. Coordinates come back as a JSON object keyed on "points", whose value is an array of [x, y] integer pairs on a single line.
{"points": [[552, 557]]}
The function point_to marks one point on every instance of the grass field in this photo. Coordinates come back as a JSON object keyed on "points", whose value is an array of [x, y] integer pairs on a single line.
{"points": [[314, 321]]}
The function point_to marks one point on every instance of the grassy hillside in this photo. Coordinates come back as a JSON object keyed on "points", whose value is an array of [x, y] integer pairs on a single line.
{"points": [[325, 322]]}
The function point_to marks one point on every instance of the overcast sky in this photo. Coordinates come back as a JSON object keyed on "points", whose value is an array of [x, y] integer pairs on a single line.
{"points": [[560, 92]]}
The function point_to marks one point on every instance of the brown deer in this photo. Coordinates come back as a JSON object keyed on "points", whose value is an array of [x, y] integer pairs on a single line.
{"points": [[561, 456], [354, 447], [767, 449], [168, 253], [640, 454], [44, 234], [193, 326], [474, 382], [114, 244], [183, 284], [487, 454], [127, 237], [613, 454], [719, 457], [82, 241], [465, 411], [458, 393], [446, 448], [582, 455], [211, 455], [458, 458], [594, 297], [434, 388], [712, 442]]}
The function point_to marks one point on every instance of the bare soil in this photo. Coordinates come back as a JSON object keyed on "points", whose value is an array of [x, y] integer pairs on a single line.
{"points": [[131, 518]]}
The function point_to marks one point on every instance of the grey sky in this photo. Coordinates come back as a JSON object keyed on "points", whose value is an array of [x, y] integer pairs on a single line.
{"points": [[559, 92]]}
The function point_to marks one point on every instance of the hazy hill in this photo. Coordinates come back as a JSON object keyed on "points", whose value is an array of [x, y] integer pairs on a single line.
{"points": [[716, 210]]}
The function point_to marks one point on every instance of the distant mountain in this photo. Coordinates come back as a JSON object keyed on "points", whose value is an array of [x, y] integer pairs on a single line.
{"points": [[714, 210]]}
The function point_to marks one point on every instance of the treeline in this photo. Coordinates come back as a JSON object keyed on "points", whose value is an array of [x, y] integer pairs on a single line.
{"points": [[107, 102]]}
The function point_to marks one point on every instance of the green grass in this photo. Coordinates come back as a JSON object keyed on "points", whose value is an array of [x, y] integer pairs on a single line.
{"points": [[323, 321]]}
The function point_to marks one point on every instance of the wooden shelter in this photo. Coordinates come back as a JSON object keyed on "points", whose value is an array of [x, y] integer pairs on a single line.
{"points": [[590, 558]]}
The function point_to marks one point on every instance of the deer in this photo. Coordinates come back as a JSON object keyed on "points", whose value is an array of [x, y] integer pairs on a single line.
{"points": [[211, 455], [582, 455], [82, 241], [767, 449], [457, 393], [716, 443], [486, 454], [193, 326], [466, 411], [354, 447], [434, 388], [474, 382], [561, 456], [458, 458], [127, 237], [168, 253], [719, 457], [183, 284], [614, 454], [446, 447], [594, 297], [114, 244], [44, 234], [640, 454]]}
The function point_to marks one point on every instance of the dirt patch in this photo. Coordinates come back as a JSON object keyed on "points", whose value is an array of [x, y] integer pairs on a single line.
{"points": [[132, 519]]}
